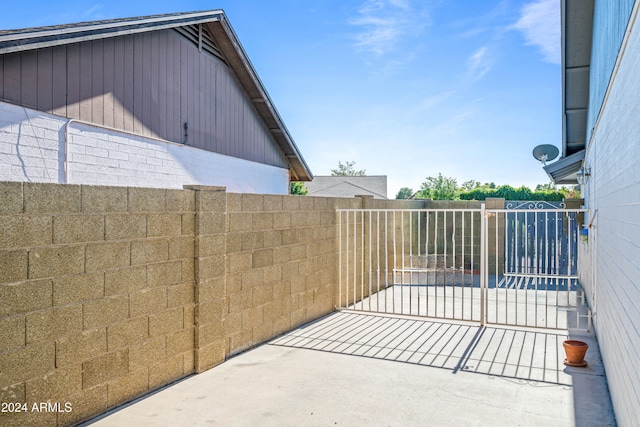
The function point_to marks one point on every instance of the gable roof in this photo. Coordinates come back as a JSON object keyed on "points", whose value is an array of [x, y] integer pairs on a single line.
{"points": [[224, 37], [348, 186]]}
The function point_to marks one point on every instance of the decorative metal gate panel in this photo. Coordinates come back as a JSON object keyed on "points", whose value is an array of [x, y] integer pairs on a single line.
{"points": [[500, 266], [536, 272]]}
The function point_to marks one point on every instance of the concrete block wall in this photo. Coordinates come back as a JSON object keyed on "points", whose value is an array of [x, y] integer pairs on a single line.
{"points": [[107, 293], [96, 296], [281, 265]]}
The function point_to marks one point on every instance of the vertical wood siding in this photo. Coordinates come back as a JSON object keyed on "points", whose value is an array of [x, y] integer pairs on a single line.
{"points": [[150, 83]]}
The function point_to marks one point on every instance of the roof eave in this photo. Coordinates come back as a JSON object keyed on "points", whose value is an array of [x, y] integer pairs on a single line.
{"points": [[239, 61], [42, 37], [35, 38], [564, 171], [576, 30]]}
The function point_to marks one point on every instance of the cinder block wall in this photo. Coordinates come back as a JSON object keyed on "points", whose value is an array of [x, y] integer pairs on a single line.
{"points": [[281, 265], [96, 296], [107, 293]]}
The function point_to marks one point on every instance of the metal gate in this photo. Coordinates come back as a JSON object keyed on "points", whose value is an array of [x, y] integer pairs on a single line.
{"points": [[500, 266]]}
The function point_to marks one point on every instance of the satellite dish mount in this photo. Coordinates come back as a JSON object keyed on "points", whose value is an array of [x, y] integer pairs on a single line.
{"points": [[545, 153]]}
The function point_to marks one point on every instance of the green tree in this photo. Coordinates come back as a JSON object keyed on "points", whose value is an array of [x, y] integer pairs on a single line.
{"points": [[470, 185], [546, 187], [439, 188], [298, 188], [404, 193], [567, 192], [347, 170]]}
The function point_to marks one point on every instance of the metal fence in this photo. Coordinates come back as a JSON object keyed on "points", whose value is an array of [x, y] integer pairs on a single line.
{"points": [[496, 266]]}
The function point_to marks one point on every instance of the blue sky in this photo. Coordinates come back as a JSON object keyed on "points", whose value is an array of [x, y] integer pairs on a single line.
{"points": [[406, 88]]}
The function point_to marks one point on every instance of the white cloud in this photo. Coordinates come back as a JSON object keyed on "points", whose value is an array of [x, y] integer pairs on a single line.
{"points": [[479, 63], [540, 24], [384, 22], [95, 12], [436, 100]]}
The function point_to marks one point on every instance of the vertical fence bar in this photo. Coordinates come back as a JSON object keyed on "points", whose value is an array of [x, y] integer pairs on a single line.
{"points": [[340, 259], [453, 263], [483, 262], [402, 262], [410, 262], [568, 243], [535, 257], [370, 278], [464, 285], [419, 213], [444, 269], [346, 255], [550, 250], [526, 254], [516, 224], [378, 271], [355, 259], [497, 265], [386, 259], [435, 256], [362, 259], [426, 255], [395, 264], [506, 269], [472, 263]]}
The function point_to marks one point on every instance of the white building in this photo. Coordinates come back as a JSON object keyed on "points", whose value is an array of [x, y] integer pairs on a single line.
{"points": [[601, 143]]}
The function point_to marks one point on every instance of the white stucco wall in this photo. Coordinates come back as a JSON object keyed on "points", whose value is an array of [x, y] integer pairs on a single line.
{"points": [[32, 147], [611, 265]]}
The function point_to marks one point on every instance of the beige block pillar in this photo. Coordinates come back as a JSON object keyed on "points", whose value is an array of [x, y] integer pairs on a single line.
{"points": [[495, 236], [210, 279]]}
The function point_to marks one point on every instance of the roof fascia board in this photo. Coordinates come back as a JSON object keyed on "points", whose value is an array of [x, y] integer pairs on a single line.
{"points": [[563, 49], [51, 36], [558, 171], [576, 32], [239, 61]]}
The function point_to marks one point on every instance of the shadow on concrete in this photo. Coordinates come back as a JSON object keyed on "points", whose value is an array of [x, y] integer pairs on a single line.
{"points": [[526, 355], [369, 369]]}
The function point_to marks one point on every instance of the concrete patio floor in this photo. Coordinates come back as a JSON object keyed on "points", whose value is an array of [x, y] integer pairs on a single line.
{"points": [[355, 369]]}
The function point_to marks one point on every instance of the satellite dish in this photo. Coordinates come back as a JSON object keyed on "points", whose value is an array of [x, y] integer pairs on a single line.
{"points": [[545, 153]]}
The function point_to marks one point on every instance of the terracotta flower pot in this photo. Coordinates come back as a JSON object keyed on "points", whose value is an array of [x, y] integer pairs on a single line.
{"points": [[575, 351]]}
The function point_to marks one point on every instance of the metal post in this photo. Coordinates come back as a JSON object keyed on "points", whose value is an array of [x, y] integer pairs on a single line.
{"points": [[339, 259], [483, 262]]}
